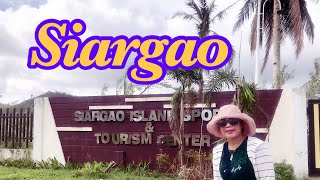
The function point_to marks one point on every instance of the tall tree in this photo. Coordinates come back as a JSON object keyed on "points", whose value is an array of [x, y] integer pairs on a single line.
{"points": [[313, 85], [284, 75], [185, 97], [186, 79], [202, 14], [292, 20]]}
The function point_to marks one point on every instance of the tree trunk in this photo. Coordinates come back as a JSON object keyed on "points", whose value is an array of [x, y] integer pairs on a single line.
{"points": [[181, 129], [202, 35], [276, 43], [201, 84]]}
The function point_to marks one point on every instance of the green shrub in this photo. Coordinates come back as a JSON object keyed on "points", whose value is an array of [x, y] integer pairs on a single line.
{"points": [[30, 164], [54, 164], [72, 166], [43, 164], [20, 163], [50, 164], [142, 169], [26, 163], [139, 169], [284, 171], [95, 169]]}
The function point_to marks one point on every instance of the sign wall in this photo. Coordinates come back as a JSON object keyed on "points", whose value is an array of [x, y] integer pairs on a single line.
{"points": [[134, 128]]}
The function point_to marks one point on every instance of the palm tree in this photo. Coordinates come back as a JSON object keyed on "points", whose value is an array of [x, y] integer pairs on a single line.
{"points": [[293, 21], [222, 78], [225, 77], [203, 15], [186, 78]]}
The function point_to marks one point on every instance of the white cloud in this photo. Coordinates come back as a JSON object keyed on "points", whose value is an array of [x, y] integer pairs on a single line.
{"points": [[17, 28], [14, 4], [126, 17]]}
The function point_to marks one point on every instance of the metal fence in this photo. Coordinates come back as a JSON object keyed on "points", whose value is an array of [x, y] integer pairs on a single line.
{"points": [[16, 128]]}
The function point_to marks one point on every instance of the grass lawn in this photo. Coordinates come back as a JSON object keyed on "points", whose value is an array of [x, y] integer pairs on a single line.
{"points": [[9, 173]]}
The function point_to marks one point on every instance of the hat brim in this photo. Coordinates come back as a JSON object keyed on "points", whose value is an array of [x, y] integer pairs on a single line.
{"points": [[249, 124]]}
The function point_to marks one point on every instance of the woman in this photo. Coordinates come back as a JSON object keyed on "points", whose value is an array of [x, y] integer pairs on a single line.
{"points": [[241, 156]]}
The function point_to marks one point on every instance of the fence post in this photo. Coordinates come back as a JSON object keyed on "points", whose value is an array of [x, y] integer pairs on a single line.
{"points": [[28, 127], [6, 134], [1, 127], [21, 127], [38, 129], [13, 136]]}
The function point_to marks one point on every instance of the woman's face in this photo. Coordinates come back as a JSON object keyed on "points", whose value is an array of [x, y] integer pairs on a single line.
{"points": [[230, 128]]}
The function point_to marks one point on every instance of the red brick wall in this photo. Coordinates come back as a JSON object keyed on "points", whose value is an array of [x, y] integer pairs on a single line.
{"points": [[82, 146]]}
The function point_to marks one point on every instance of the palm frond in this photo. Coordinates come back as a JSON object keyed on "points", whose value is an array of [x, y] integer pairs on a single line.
{"points": [[232, 58], [245, 13], [185, 77], [213, 32], [204, 26], [231, 61], [221, 78], [295, 16], [194, 6], [146, 88], [211, 7], [269, 39], [253, 35], [294, 19], [245, 97], [166, 85], [203, 3], [225, 77], [223, 13], [286, 26], [309, 26], [185, 16], [191, 99]]}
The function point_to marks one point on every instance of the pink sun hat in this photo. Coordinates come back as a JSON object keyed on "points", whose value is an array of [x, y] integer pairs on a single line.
{"points": [[231, 111]]}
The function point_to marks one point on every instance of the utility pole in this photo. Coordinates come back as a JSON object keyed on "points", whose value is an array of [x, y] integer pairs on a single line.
{"points": [[256, 74]]}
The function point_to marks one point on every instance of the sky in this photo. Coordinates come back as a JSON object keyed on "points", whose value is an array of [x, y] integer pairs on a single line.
{"points": [[19, 19]]}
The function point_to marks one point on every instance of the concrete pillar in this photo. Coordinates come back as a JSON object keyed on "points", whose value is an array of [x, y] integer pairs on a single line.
{"points": [[300, 133], [37, 129], [288, 137], [46, 139]]}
